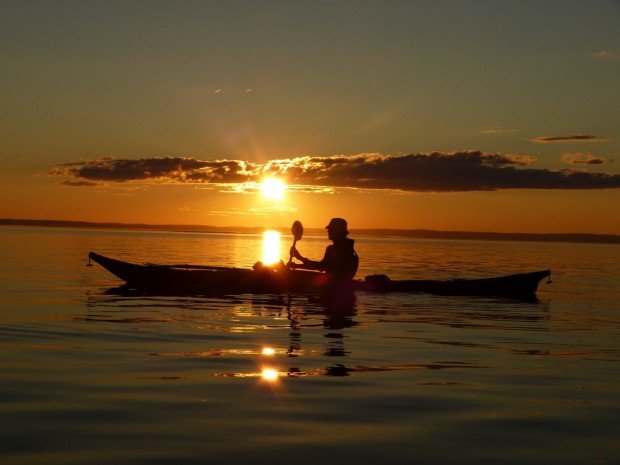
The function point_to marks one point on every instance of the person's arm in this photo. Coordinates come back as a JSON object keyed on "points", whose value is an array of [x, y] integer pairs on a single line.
{"points": [[307, 263]]}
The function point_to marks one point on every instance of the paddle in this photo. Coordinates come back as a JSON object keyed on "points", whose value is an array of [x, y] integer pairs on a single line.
{"points": [[297, 230]]}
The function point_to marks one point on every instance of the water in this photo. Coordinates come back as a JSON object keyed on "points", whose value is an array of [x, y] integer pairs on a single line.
{"points": [[94, 378]]}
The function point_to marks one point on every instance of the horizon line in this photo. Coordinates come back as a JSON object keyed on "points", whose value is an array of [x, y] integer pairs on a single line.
{"points": [[401, 232]]}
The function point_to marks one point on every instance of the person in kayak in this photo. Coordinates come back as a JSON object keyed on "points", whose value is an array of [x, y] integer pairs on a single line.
{"points": [[340, 261]]}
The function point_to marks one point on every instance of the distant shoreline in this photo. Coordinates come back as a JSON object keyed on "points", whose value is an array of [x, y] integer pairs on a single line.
{"points": [[384, 232]]}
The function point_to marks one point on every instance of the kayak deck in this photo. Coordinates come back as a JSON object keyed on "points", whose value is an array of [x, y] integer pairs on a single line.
{"points": [[188, 279], [522, 285], [192, 279]]}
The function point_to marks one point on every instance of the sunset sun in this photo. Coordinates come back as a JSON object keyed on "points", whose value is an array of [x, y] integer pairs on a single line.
{"points": [[273, 188]]}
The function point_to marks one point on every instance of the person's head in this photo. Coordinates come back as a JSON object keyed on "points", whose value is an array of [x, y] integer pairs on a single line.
{"points": [[337, 229]]}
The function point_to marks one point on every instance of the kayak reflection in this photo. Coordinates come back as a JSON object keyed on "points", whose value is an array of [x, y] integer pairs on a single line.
{"points": [[290, 334], [304, 315]]}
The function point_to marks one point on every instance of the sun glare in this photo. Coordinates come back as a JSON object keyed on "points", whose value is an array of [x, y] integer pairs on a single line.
{"points": [[271, 247], [273, 188]]}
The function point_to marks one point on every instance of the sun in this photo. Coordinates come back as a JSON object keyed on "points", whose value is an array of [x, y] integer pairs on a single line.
{"points": [[273, 188]]}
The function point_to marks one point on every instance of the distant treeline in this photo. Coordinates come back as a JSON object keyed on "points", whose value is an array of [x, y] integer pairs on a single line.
{"points": [[419, 233], [494, 236]]}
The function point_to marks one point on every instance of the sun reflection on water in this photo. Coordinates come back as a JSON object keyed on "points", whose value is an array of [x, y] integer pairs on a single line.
{"points": [[269, 374], [268, 351], [271, 247]]}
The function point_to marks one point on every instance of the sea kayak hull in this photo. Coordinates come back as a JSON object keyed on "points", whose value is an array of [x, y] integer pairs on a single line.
{"points": [[522, 285], [189, 279]]}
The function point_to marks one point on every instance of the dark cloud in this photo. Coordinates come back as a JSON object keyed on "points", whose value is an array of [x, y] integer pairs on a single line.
{"points": [[583, 158], [432, 172], [442, 172], [573, 138], [166, 169]]}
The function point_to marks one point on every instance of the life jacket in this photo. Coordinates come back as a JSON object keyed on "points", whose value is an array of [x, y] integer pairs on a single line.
{"points": [[340, 260]]}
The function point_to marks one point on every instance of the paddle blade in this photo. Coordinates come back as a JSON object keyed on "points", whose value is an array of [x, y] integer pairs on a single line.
{"points": [[298, 230]]}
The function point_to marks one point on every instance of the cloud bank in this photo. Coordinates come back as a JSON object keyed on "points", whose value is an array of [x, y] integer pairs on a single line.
{"points": [[167, 169], [420, 172]]}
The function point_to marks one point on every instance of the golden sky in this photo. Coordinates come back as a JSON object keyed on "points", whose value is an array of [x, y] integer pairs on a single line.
{"points": [[486, 116]]}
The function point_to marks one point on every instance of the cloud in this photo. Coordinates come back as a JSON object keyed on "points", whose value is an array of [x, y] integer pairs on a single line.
{"points": [[491, 130], [78, 183], [573, 138], [606, 54], [259, 211], [167, 169], [254, 187], [420, 172], [583, 158]]}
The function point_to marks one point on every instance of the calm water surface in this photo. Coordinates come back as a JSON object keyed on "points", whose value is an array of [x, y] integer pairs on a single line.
{"points": [[90, 377]]}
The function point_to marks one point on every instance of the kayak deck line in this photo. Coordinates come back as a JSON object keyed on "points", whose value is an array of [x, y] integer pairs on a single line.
{"points": [[213, 280]]}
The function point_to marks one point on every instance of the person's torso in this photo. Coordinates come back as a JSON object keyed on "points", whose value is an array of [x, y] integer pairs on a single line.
{"points": [[341, 261]]}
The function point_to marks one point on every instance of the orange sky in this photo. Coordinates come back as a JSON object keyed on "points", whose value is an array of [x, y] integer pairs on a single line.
{"points": [[543, 211], [434, 115]]}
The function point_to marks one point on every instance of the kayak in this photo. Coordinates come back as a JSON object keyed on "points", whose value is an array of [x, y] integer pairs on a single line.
{"points": [[217, 280]]}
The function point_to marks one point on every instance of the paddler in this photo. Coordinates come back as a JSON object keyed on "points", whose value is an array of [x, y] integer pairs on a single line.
{"points": [[340, 260]]}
